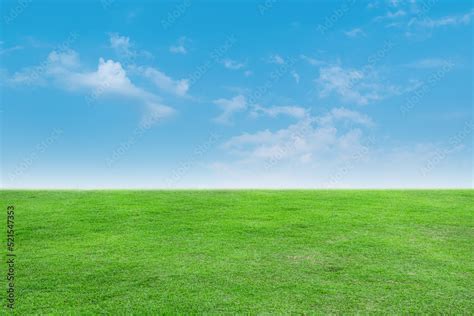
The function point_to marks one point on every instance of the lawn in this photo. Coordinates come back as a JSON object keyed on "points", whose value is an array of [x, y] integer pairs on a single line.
{"points": [[257, 252]]}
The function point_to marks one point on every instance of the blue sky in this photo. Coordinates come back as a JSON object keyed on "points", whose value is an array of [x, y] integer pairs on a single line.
{"points": [[189, 94]]}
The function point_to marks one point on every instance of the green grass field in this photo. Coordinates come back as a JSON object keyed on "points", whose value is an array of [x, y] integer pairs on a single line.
{"points": [[215, 252]]}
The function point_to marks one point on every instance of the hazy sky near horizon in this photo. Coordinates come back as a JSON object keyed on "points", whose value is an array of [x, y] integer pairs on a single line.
{"points": [[229, 94]]}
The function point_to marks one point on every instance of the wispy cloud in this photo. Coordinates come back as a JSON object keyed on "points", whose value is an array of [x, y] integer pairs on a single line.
{"points": [[373, 5], [164, 82], [450, 20], [125, 49], [292, 111], [229, 107], [390, 15], [396, 14], [55, 63], [133, 14], [110, 79], [335, 79], [354, 33], [310, 137], [428, 63], [343, 114], [414, 18], [232, 64], [312, 61], [179, 47], [7, 50], [295, 76], [121, 44], [353, 85], [276, 59]]}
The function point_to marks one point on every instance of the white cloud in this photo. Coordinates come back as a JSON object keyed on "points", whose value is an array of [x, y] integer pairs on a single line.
{"points": [[373, 5], [121, 44], [124, 48], [312, 61], [391, 15], [229, 107], [450, 20], [412, 13], [335, 79], [309, 138], [354, 32], [7, 50], [415, 21], [232, 64], [54, 65], [343, 114], [276, 59], [109, 80], [429, 63], [351, 159], [63, 60], [396, 14], [26, 76], [352, 85], [179, 47], [292, 111], [295, 76], [164, 82], [239, 104], [133, 14], [109, 76]]}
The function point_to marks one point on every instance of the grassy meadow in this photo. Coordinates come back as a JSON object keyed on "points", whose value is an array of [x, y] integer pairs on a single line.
{"points": [[242, 252]]}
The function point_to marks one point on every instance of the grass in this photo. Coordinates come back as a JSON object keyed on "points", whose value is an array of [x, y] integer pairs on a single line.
{"points": [[215, 252]]}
